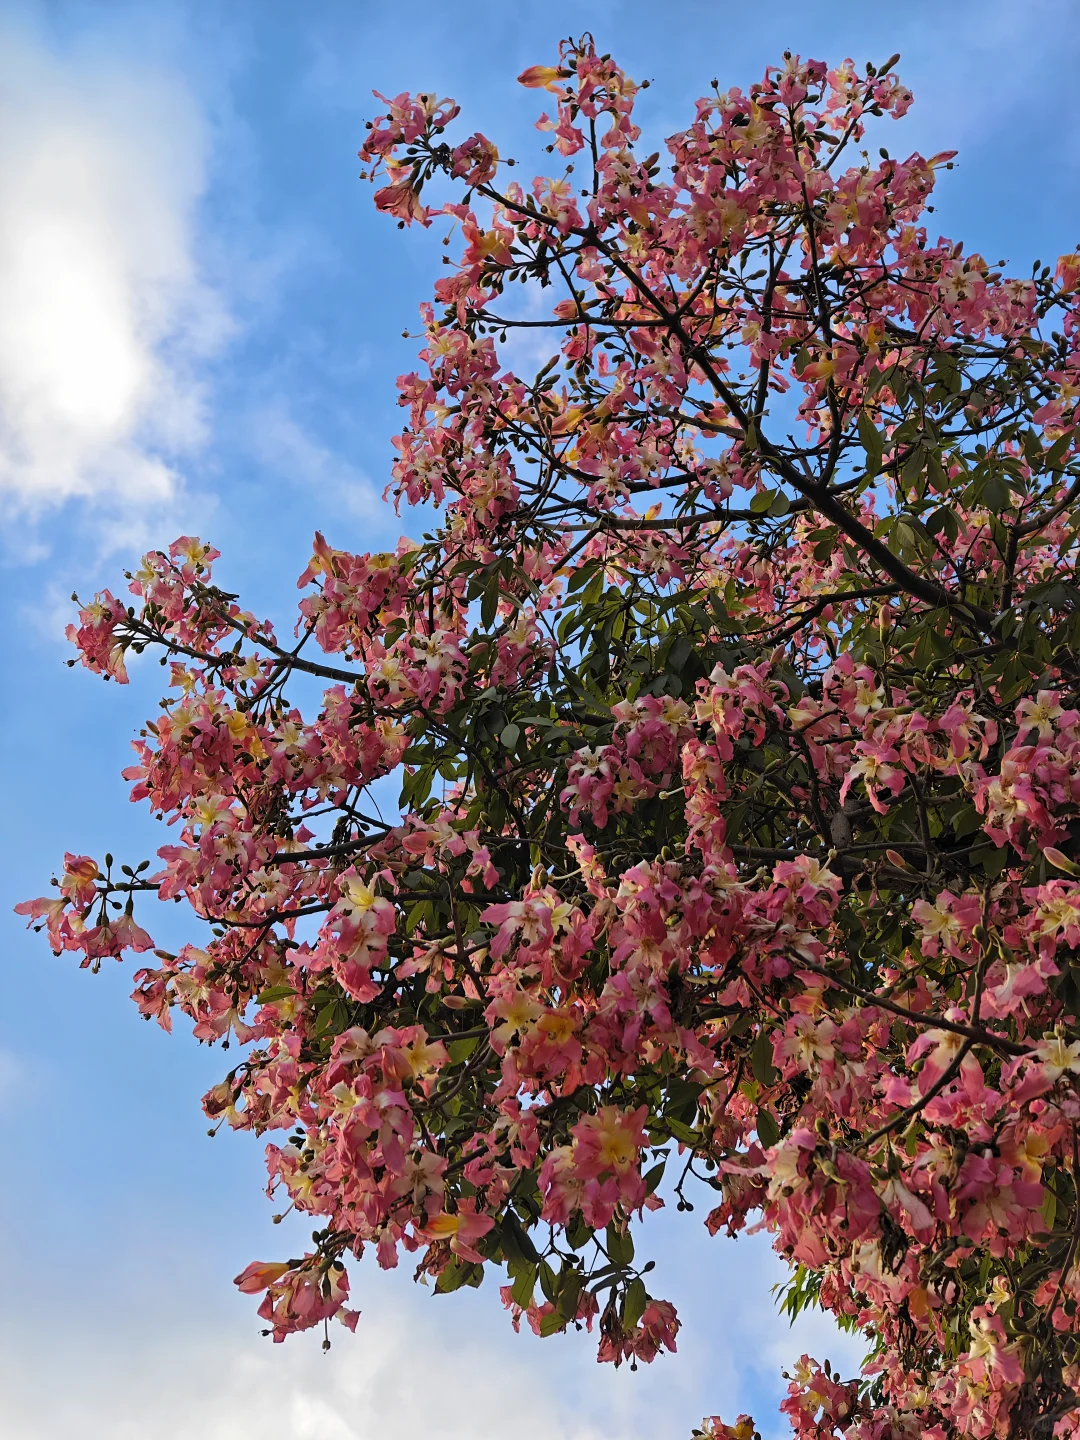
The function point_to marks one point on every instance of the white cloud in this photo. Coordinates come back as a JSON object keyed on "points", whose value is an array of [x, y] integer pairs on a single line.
{"points": [[411, 1373], [145, 1344], [105, 314]]}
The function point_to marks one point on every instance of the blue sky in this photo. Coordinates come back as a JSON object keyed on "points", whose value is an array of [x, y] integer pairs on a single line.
{"points": [[202, 320]]}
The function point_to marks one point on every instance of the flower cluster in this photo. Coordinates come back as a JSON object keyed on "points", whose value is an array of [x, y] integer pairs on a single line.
{"points": [[738, 842]]}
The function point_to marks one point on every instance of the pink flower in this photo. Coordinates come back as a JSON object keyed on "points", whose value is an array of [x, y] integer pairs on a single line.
{"points": [[402, 201], [461, 1229], [541, 77]]}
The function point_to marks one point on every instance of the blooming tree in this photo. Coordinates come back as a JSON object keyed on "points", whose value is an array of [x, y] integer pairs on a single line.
{"points": [[735, 703]]}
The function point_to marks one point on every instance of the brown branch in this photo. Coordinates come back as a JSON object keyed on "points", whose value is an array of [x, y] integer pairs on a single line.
{"points": [[981, 1037]]}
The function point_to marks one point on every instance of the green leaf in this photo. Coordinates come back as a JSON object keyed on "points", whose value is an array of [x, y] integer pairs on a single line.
{"points": [[489, 606], [582, 575], [911, 529], [1049, 1209], [275, 992], [421, 911], [914, 467], [519, 1238], [571, 1282], [801, 1293], [521, 1291], [767, 1128], [637, 1297], [509, 735], [332, 1019], [872, 442], [653, 1178], [966, 820], [679, 654], [457, 1273], [995, 494], [765, 1072], [548, 1282], [1056, 453], [578, 1233], [683, 1133], [682, 1100], [620, 1245], [943, 518], [594, 589], [992, 859]]}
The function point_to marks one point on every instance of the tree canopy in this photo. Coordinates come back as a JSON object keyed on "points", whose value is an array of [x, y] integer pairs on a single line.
{"points": [[734, 699]]}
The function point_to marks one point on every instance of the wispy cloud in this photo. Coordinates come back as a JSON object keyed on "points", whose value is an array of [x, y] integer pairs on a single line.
{"points": [[410, 1374], [170, 1354], [106, 317], [289, 450]]}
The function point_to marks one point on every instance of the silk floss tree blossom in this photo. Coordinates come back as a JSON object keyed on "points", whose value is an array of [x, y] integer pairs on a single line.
{"points": [[734, 701]]}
